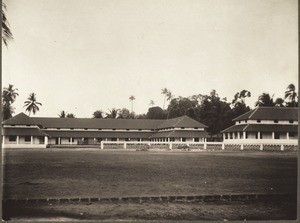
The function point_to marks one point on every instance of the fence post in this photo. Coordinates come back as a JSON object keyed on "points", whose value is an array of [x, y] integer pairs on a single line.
{"points": [[282, 147], [242, 146], [124, 145], [223, 146], [205, 145], [101, 145], [261, 147], [171, 146]]}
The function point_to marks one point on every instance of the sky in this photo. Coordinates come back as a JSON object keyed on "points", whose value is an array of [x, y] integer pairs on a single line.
{"points": [[82, 56]]}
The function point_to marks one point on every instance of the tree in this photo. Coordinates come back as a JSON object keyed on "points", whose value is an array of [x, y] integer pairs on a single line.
{"points": [[238, 104], [265, 100], [32, 104], [70, 115], [98, 114], [279, 102], [165, 92], [113, 113], [151, 103], [9, 95], [291, 96], [131, 98], [181, 106], [6, 32], [125, 114], [62, 114], [156, 113]]}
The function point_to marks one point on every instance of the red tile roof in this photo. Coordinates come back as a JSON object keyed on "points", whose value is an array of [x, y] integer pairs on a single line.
{"points": [[270, 113], [183, 121], [23, 132], [20, 119], [180, 133]]}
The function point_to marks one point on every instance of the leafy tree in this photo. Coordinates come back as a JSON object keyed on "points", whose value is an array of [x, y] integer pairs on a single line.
{"points": [[131, 98], [9, 95], [156, 113], [265, 100], [166, 93], [32, 104], [124, 113], [6, 32], [239, 106], [279, 102], [70, 115], [62, 114], [291, 96], [141, 116], [181, 106], [98, 114]]}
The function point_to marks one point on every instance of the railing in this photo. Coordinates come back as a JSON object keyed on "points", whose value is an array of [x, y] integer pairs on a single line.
{"points": [[198, 146]]}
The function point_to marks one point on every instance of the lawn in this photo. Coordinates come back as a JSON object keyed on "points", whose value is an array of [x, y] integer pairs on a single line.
{"points": [[72, 173]]}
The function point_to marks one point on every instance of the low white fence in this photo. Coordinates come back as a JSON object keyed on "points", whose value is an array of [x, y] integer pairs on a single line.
{"points": [[198, 146]]}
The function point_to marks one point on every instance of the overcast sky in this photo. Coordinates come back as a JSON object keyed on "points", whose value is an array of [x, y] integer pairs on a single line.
{"points": [[84, 55]]}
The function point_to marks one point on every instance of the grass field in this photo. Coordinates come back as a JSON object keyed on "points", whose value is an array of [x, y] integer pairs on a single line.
{"points": [[59, 173]]}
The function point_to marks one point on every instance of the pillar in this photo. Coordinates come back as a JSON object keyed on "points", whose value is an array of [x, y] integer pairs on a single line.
{"points": [[228, 135], [261, 147], [59, 142], [224, 137], [258, 135], [71, 140], [101, 145], [180, 139], [125, 145], [31, 140], [273, 135], [242, 146], [244, 135], [281, 147], [18, 139], [223, 146], [3, 139], [171, 146], [287, 135], [46, 140]]}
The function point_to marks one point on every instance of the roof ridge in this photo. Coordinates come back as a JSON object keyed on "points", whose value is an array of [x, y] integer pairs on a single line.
{"points": [[255, 110]]}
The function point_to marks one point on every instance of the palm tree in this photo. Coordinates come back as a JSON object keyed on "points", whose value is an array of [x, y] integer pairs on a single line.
{"points": [[113, 113], [7, 111], [131, 98], [6, 32], [151, 103], [165, 92], [32, 104], [98, 114], [62, 114], [265, 100], [9, 94], [291, 96]]}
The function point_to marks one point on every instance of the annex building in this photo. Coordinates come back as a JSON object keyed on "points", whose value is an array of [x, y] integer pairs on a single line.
{"points": [[24, 131], [265, 125]]}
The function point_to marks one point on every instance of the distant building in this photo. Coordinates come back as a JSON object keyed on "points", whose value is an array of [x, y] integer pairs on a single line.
{"points": [[24, 131], [264, 125]]}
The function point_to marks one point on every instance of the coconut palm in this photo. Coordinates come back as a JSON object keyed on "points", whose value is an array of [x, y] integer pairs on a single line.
{"points": [[265, 100], [32, 104], [62, 114], [98, 114], [165, 92], [7, 111], [151, 103], [131, 98], [9, 94], [113, 113], [291, 95], [6, 32]]}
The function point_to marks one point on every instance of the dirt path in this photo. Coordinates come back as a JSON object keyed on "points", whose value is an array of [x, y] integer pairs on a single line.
{"points": [[153, 211]]}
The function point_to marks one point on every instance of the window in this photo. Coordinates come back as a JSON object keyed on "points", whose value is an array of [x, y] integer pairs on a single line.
{"points": [[71, 139], [27, 125], [12, 138], [140, 130], [195, 128], [291, 121], [277, 135], [152, 130], [12, 125], [182, 127], [114, 129], [85, 129], [27, 138], [99, 129], [196, 139], [275, 121], [58, 128], [183, 139], [245, 121], [241, 135], [114, 139], [127, 129], [72, 128], [256, 135], [292, 134], [126, 139], [239, 121], [258, 121]]}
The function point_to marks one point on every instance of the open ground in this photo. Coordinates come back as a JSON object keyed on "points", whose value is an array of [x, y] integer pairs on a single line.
{"points": [[77, 173]]}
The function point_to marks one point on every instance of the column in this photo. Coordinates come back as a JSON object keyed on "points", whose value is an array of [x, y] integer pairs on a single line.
{"points": [[287, 135], [224, 137], [273, 135], [228, 135], [244, 135], [46, 140], [59, 141], [101, 145], [258, 135], [180, 139], [18, 139], [3, 139], [31, 140], [71, 140], [124, 145]]}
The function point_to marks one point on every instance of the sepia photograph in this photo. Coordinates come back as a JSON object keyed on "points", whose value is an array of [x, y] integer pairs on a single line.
{"points": [[149, 110]]}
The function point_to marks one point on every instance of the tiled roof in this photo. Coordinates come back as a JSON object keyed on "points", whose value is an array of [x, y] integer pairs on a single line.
{"points": [[262, 128], [99, 134], [183, 121], [20, 119], [179, 134], [23, 132], [270, 113]]}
